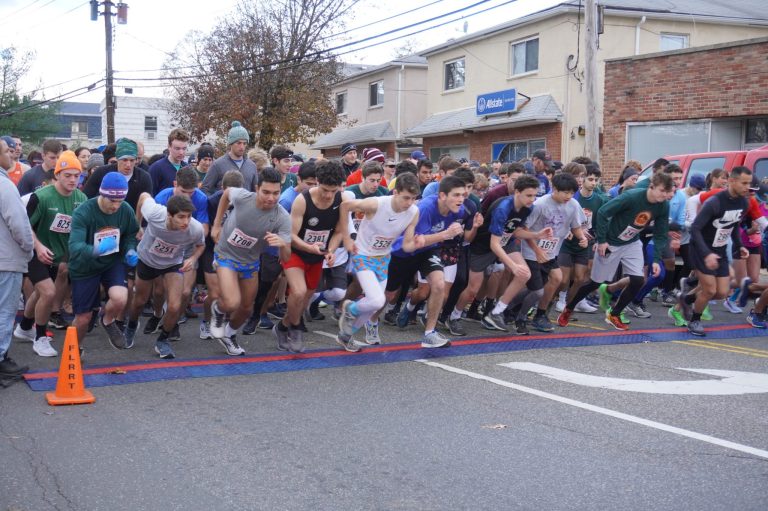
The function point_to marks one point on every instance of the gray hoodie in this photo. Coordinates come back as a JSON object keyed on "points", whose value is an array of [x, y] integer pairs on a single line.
{"points": [[15, 232]]}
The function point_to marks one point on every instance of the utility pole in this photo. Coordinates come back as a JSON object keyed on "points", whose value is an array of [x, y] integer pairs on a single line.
{"points": [[122, 19], [590, 45]]}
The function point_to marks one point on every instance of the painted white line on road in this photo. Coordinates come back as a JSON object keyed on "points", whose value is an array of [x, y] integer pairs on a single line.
{"points": [[605, 411], [326, 334]]}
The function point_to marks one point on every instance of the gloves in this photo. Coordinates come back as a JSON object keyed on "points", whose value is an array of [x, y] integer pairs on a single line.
{"points": [[105, 245], [131, 258]]}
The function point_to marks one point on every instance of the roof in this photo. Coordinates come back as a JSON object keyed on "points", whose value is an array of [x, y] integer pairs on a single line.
{"points": [[742, 12], [408, 61], [75, 108], [539, 110], [375, 132]]}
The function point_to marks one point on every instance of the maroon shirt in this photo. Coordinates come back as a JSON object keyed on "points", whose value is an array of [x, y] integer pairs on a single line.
{"points": [[495, 193]]}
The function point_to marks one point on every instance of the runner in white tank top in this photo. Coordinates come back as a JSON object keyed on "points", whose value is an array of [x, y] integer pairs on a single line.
{"points": [[386, 219]]}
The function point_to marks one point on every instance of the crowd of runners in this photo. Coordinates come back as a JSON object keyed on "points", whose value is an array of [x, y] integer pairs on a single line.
{"points": [[107, 238]]}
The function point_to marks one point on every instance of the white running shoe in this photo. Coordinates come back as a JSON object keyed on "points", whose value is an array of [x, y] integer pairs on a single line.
{"points": [[42, 346], [584, 306], [559, 306], [26, 335]]}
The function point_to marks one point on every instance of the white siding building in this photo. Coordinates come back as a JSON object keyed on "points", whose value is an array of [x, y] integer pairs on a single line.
{"points": [[145, 120]]}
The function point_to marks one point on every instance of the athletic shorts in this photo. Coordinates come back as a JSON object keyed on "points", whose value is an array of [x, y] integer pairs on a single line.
{"points": [[540, 273], [86, 293], [448, 271], [722, 270], [244, 271], [753, 250], [379, 265], [145, 272], [312, 271], [629, 256], [38, 272], [206, 260], [481, 262], [334, 278], [404, 268], [568, 260], [270, 267]]}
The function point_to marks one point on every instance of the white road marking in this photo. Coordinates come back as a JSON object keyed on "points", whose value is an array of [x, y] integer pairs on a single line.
{"points": [[733, 382], [605, 411], [326, 334]]}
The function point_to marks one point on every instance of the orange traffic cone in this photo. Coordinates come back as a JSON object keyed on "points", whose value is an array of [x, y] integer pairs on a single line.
{"points": [[70, 389]]}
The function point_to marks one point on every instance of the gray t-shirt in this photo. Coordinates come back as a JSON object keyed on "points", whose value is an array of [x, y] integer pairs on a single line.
{"points": [[161, 247], [560, 217], [242, 235], [221, 166]]}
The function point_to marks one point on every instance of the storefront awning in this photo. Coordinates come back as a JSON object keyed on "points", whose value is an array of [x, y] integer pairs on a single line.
{"points": [[375, 132]]}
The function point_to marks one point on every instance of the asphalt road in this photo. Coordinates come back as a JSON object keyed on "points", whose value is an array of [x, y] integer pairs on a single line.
{"points": [[460, 432]]}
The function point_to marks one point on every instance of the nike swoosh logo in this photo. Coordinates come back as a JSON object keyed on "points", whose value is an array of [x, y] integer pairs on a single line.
{"points": [[392, 219]]}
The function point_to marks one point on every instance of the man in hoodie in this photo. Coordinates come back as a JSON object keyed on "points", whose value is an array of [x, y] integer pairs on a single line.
{"points": [[15, 252]]}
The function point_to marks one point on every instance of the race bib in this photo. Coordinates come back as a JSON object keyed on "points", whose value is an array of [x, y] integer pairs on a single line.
{"points": [[241, 240], [628, 234], [61, 223], [382, 242], [548, 245], [313, 237], [163, 249], [505, 238], [107, 233], [588, 222], [721, 237]]}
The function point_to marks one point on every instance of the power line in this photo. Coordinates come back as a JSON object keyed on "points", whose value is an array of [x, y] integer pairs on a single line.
{"points": [[17, 11], [58, 99]]}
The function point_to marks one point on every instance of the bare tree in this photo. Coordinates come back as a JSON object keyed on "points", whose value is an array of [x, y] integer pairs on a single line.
{"points": [[266, 65]]}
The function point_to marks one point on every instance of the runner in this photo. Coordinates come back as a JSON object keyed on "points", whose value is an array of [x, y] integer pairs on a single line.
{"points": [[617, 228], [170, 230], [255, 223], [315, 236], [103, 236], [50, 215], [715, 224], [385, 219]]}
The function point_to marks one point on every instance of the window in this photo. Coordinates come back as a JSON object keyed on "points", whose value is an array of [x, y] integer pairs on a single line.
{"points": [[150, 123], [673, 41], [508, 152], [456, 152], [454, 74], [704, 166], [376, 93], [757, 131], [79, 129], [525, 56], [341, 103]]}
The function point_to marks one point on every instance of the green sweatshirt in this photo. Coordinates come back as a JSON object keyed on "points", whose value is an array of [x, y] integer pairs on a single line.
{"points": [[89, 225], [50, 215], [620, 220]]}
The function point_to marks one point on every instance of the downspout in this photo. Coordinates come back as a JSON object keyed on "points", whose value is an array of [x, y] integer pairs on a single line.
{"points": [[399, 106], [637, 35]]}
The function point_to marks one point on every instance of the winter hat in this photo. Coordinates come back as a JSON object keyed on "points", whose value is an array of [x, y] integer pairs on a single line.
{"points": [[204, 151], [237, 132], [94, 160], [347, 148], [698, 181], [373, 154], [126, 148], [114, 186], [67, 161]]}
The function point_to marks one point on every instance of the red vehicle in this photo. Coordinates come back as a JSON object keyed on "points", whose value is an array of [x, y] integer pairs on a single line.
{"points": [[702, 163]]}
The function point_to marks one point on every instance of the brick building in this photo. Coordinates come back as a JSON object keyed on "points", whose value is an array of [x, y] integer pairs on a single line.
{"points": [[711, 98]]}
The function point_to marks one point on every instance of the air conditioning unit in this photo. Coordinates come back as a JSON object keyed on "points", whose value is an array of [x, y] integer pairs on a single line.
{"points": [[150, 135]]}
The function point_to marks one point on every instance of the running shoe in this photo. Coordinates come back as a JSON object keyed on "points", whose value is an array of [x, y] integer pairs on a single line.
{"points": [[685, 307], [57, 322], [622, 316], [756, 319], [435, 339], [584, 306], [564, 317], [521, 327], [230, 344], [668, 299], [706, 314], [654, 295], [130, 335], [405, 316], [250, 326], [494, 322], [25, 335], [163, 348], [372, 333], [296, 341], [560, 305], [42, 346], [731, 306], [114, 334], [542, 324], [175, 335], [615, 321], [265, 323], [455, 328], [346, 342], [218, 319], [282, 337], [153, 325], [314, 311], [346, 322], [639, 310], [205, 330], [277, 311], [695, 328], [675, 316]]}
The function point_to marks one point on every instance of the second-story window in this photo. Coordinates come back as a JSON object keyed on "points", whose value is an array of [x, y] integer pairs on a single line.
{"points": [[525, 56], [454, 74], [376, 93], [341, 103]]}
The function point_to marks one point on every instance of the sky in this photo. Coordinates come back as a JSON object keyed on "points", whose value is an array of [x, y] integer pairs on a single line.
{"points": [[69, 47]]}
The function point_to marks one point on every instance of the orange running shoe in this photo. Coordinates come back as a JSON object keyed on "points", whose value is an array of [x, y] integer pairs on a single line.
{"points": [[564, 317], [615, 321]]}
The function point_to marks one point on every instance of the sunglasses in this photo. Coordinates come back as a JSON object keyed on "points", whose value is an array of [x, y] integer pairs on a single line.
{"points": [[390, 165]]}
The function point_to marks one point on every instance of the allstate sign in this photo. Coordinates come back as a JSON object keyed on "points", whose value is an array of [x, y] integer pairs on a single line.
{"points": [[497, 102]]}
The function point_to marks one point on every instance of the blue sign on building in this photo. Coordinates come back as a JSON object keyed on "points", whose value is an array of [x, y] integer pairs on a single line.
{"points": [[497, 102]]}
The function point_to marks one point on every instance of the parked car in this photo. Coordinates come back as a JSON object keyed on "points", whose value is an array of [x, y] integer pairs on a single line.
{"points": [[702, 163]]}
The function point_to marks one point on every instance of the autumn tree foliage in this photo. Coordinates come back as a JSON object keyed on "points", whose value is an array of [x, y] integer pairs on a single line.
{"points": [[267, 65]]}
